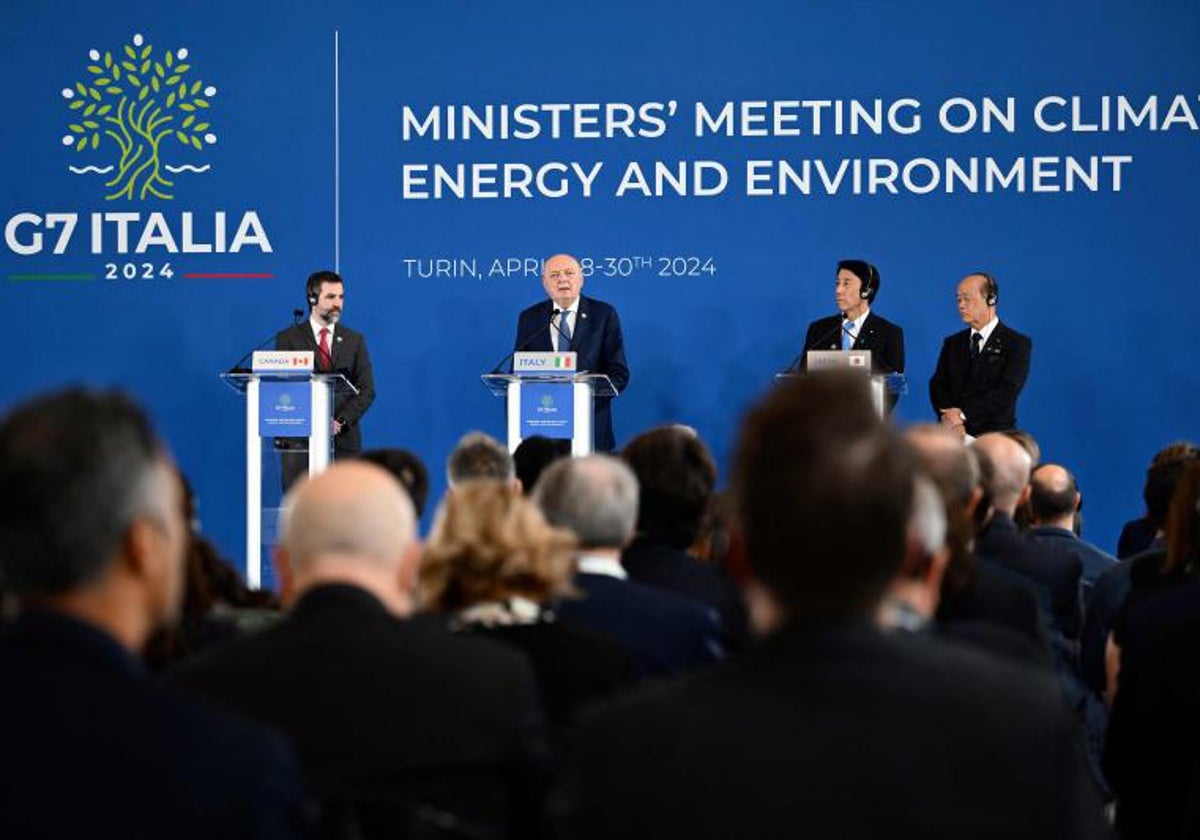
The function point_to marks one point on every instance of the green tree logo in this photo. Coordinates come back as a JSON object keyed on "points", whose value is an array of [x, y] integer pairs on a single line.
{"points": [[144, 104]]}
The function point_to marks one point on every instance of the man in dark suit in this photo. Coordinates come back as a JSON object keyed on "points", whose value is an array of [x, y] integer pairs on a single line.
{"points": [[398, 723], [582, 325], [980, 370], [1054, 501], [336, 349], [1050, 569], [596, 498], [92, 541], [832, 727], [856, 327]]}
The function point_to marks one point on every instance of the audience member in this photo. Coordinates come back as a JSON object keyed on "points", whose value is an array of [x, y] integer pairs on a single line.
{"points": [[1139, 535], [676, 475], [1112, 588], [1153, 752], [92, 540], [408, 469], [1052, 572], [493, 563], [1029, 443], [979, 606], [397, 723], [479, 455], [596, 498], [1054, 502], [830, 727], [912, 598], [534, 454]]}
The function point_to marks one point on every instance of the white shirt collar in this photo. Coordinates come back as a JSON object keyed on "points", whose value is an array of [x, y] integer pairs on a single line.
{"points": [[317, 326], [987, 330], [596, 564]]}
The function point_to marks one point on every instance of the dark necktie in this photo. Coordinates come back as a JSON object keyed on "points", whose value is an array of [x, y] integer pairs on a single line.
{"points": [[326, 361], [564, 333], [976, 338]]}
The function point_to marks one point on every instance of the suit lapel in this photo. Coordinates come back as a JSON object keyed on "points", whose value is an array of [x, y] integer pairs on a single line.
{"points": [[861, 340], [581, 320]]}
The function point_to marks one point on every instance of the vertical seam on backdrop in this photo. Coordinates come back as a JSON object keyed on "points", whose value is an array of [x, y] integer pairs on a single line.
{"points": [[337, 157]]}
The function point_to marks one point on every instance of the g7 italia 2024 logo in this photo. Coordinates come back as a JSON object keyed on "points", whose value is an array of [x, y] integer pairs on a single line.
{"points": [[144, 110], [138, 122]]}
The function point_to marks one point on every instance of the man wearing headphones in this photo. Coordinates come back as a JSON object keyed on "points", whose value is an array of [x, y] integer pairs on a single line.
{"points": [[336, 349], [856, 327], [981, 370]]}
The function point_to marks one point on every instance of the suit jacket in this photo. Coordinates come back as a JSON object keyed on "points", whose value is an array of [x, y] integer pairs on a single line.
{"points": [[94, 748], [380, 708], [350, 358], [837, 731], [600, 347], [884, 339], [1095, 562], [674, 570], [1051, 569], [986, 389], [664, 632]]}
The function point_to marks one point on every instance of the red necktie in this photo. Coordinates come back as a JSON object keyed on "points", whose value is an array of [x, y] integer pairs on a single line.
{"points": [[326, 361]]}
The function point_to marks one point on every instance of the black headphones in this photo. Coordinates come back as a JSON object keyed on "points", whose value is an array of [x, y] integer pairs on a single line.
{"points": [[869, 283], [312, 289], [991, 289]]}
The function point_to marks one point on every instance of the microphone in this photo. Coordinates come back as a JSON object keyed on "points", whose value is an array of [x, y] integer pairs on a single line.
{"points": [[794, 364], [297, 314], [524, 344]]}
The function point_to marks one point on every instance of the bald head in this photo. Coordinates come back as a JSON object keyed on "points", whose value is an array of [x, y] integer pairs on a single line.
{"points": [[353, 514], [1008, 477], [1053, 496]]}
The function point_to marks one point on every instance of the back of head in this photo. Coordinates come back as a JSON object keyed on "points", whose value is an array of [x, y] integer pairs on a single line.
{"points": [[1029, 444], [353, 515], [1161, 478], [490, 543], [479, 455], [407, 468], [76, 468], [534, 454], [823, 490], [676, 475], [596, 498], [1053, 494], [1183, 523], [1007, 474]]}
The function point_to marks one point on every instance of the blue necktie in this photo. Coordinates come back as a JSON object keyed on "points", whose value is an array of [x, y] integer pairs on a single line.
{"points": [[564, 332], [847, 335]]}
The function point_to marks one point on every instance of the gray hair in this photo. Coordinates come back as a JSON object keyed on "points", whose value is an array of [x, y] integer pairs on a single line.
{"points": [[595, 496], [479, 455], [927, 520]]}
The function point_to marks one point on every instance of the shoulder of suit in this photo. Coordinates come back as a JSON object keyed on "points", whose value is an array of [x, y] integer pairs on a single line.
{"points": [[1007, 331], [594, 306], [533, 310], [879, 321], [346, 332]]}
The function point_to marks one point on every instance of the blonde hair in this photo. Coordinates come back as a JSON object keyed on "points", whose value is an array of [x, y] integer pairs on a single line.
{"points": [[489, 543]]}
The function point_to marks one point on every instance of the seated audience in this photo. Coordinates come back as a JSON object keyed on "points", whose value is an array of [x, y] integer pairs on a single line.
{"points": [[398, 724], [830, 727], [492, 564], [1139, 534], [92, 539], [676, 475], [596, 498]]}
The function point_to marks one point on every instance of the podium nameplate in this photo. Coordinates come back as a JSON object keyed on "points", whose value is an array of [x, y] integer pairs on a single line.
{"points": [[548, 363]]}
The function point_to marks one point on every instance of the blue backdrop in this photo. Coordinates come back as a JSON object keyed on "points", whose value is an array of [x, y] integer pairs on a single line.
{"points": [[300, 123]]}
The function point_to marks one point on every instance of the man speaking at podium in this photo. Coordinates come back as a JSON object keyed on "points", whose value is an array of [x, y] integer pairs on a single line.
{"points": [[569, 322], [856, 327], [335, 349]]}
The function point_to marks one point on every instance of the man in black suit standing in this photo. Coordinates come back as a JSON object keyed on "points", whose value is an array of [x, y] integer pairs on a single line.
{"points": [[981, 370], [336, 349], [856, 327], [92, 539], [586, 326], [397, 722], [832, 727]]}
